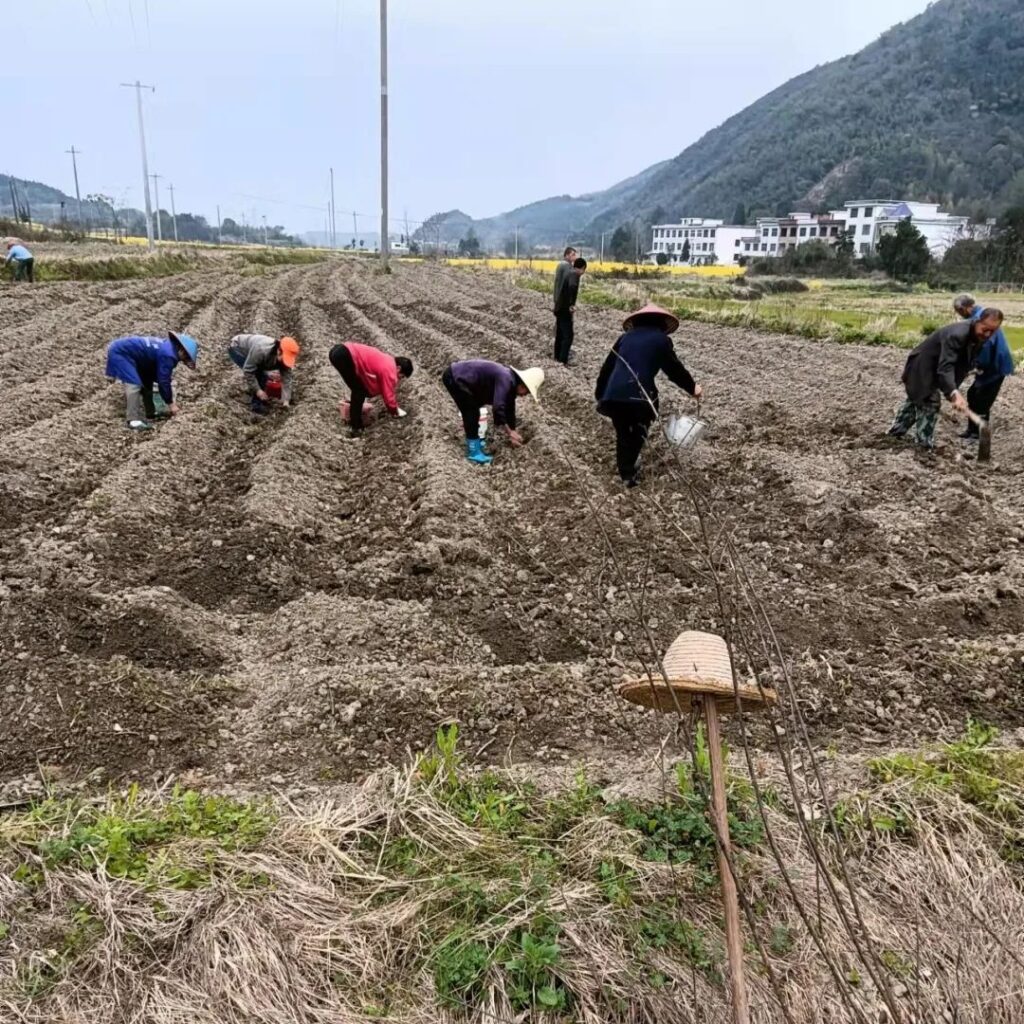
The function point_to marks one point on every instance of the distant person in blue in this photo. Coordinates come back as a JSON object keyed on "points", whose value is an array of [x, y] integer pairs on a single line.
{"points": [[993, 365], [139, 363], [22, 260]]}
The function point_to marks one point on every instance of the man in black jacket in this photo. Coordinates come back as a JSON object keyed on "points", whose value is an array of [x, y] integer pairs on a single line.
{"points": [[565, 309], [626, 391], [937, 367]]}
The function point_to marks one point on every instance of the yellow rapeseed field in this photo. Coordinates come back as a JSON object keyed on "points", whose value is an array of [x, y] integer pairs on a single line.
{"points": [[548, 266]]}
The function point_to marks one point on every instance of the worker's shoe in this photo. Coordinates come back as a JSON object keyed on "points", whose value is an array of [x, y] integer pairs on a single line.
{"points": [[475, 452], [259, 408], [139, 425]]}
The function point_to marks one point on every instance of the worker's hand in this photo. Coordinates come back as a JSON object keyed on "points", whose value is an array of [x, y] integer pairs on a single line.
{"points": [[572, 309], [401, 414], [698, 391], [959, 402], [262, 395], [286, 405], [514, 437], [173, 408]]}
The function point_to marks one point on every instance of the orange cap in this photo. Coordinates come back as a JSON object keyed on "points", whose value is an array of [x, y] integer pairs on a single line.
{"points": [[289, 351]]}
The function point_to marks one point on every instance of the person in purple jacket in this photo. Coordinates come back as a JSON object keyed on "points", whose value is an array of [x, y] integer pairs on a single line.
{"points": [[140, 362], [475, 383]]}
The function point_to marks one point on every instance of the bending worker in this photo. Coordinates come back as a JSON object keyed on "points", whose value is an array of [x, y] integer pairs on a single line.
{"points": [[993, 365], [937, 368], [139, 363], [259, 354], [626, 391], [24, 263], [369, 372], [475, 383]]}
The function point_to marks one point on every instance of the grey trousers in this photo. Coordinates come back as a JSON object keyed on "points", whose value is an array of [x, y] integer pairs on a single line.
{"points": [[139, 402]]}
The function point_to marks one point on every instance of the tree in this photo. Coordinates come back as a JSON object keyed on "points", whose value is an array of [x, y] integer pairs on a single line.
{"points": [[845, 245], [620, 245], [684, 256], [904, 253], [739, 215], [661, 258], [470, 245]]}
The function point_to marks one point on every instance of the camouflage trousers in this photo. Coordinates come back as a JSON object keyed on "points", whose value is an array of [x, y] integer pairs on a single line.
{"points": [[922, 416]]}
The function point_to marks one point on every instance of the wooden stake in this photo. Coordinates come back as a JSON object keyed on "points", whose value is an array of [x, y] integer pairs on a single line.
{"points": [[730, 903]]}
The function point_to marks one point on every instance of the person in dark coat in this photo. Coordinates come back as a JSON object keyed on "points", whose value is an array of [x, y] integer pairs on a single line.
{"points": [[562, 273], [565, 309], [626, 391], [937, 368], [993, 365]]}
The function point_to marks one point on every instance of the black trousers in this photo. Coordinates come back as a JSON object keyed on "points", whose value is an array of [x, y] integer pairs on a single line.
{"points": [[981, 398], [563, 336], [468, 406], [341, 360], [632, 422]]}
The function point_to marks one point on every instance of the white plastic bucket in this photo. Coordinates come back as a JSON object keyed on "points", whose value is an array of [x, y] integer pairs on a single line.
{"points": [[684, 431]]}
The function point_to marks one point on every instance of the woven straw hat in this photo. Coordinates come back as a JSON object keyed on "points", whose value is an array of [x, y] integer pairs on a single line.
{"points": [[696, 665], [532, 378], [672, 321]]}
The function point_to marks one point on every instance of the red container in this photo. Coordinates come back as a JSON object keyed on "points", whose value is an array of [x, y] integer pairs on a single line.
{"points": [[273, 385]]}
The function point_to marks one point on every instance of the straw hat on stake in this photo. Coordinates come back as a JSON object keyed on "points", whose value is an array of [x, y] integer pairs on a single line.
{"points": [[698, 675]]}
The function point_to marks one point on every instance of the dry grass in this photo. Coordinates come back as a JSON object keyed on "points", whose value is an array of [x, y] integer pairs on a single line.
{"points": [[410, 902]]}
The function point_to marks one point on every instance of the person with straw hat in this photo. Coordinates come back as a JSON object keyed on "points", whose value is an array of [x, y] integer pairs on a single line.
{"points": [[626, 391], [476, 383], [258, 355]]}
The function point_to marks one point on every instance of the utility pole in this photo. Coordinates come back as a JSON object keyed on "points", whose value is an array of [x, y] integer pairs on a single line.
{"points": [[265, 242], [138, 87], [334, 223], [603, 233], [517, 243], [355, 229], [220, 239], [156, 186], [78, 195], [174, 213], [384, 246]]}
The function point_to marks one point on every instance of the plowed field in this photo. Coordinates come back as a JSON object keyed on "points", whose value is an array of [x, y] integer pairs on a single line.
{"points": [[254, 601]]}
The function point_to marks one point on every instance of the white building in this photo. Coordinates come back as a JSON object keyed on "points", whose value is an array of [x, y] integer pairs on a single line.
{"points": [[710, 241], [772, 236], [869, 220]]}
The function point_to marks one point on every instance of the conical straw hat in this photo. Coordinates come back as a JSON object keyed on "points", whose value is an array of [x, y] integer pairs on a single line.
{"points": [[697, 664], [671, 320]]}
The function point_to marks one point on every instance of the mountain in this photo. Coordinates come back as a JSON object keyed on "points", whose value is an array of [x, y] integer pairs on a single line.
{"points": [[932, 110], [46, 204]]}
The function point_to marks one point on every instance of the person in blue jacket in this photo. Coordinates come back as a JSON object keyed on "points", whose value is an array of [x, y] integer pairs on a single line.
{"points": [[24, 263], [139, 363], [626, 391], [993, 364]]}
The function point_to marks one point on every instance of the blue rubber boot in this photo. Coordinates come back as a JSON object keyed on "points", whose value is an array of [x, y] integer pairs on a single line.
{"points": [[475, 452]]}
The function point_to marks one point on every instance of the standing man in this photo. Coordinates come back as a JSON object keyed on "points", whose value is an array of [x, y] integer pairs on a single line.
{"points": [[474, 383], [562, 271], [139, 363], [937, 367], [368, 372], [993, 365], [24, 263], [257, 355], [565, 309], [626, 391]]}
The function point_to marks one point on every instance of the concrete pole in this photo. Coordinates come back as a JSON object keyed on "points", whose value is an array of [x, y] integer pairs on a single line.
{"points": [[384, 241], [174, 213], [78, 194], [517, 243], [156, 186], [265, 242], [220, 238], [138, 87], [334, 222]]}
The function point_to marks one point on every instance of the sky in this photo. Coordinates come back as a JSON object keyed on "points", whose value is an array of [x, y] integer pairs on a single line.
{"points": [[493, 103]]}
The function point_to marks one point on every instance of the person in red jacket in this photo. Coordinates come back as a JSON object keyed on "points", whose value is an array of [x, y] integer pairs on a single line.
{"points": [[369, 372]]}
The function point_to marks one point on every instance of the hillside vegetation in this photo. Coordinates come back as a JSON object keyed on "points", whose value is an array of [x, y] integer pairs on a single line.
{"points": [[932, 110]]}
